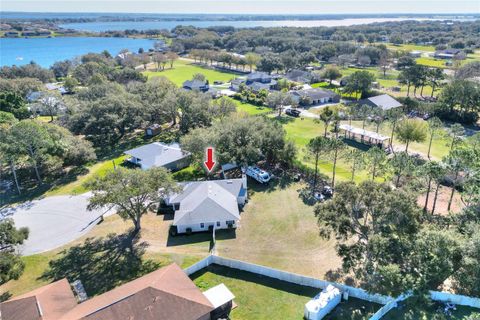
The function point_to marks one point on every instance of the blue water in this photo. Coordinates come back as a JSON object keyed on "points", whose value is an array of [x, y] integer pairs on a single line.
{"points": [[146, 25], [45, 51]]}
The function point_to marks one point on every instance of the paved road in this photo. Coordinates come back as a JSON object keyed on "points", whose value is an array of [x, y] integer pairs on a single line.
{"points": [[52, 221]]}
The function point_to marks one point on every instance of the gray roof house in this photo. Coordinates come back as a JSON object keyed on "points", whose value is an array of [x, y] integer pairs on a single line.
{"points": [[196, 85], [449, 54], [383, 101], [258, 77], [316, 96], [157, 154], [299, 76], [207, 205]]}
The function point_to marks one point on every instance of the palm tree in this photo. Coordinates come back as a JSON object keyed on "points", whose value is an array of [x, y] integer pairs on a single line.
{"points": [[394, 115], [411, 130], [356, 161]]}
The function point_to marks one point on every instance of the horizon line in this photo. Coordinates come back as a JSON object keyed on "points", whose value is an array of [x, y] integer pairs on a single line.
{"points": [[257, 14]]}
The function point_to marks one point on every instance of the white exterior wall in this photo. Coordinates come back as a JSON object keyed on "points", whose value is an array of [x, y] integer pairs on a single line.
{"points": [[182, 228]]}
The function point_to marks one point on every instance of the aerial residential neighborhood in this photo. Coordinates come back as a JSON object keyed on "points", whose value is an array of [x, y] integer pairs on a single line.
{"points": [[222, 160]]}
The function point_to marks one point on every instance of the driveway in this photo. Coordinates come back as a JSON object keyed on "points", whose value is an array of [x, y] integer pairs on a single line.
{"points": [[52, 221]]}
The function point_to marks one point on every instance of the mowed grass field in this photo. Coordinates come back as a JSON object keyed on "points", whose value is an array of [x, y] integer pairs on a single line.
{"points": [[277, 229], [184, 70]]}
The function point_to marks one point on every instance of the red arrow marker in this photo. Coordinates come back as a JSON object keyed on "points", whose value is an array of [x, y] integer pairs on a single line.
{"points": [[209, 164]]}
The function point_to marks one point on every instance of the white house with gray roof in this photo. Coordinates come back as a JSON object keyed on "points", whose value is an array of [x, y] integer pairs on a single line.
{"points": [[208, 205], [157, 154]]}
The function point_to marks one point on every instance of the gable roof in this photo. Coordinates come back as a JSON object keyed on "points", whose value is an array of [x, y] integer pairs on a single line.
{"points": [[384, 101], [254, 76], [194, 84], [315, 93], [298, 76], [157, 154], [49, 302], [208, 201], [165, 294]]}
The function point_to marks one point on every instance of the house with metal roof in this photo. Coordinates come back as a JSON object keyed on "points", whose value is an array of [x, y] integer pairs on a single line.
{"points": [[197, 85], [208, 205], [157, 154], [299, 76], [383, 101]]}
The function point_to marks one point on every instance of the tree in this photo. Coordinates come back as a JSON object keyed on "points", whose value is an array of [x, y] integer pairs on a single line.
{"points": [[31, 138], [49, 105], [384, 61], [467, 277], [402, 165], [131, 192], [374, 226], [61, 69], [434, 126], [331, 73], [411, 130], [456, 132], [433, 172], [11, 264], [278, 100], [223, 107], [172, 57], [376, 161], [13, 103], [160, 60], [359, 82], [394, 115], [70, 84], [356, 161], [327, 115], [315, 147], [336, 148], [435, 78]]}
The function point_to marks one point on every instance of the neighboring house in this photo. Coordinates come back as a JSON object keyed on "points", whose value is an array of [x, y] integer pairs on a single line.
{"points": [[208, 205], [165, 294], [256, 81], [299, 76], [316, 96], [196, 85], [449, 54], [415, 54], [157, 154], [153, 130], [11, 34], [383, 101], [29, 33]]}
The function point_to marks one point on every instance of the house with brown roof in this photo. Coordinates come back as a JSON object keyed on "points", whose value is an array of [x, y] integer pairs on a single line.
{"points": [[165, 294]]}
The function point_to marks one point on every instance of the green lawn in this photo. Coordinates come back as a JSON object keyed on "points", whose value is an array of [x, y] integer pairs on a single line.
{"points": [[251, 109], [261, 297], [301, 131], [411, 47], [432, 62], [184, 70]]}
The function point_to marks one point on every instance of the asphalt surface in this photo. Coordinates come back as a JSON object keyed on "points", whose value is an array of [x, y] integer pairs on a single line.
{"points": [[52, 221]]}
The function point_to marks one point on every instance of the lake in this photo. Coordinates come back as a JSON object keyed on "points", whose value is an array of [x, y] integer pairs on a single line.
{"points": [[45, 51], [170, 24]]}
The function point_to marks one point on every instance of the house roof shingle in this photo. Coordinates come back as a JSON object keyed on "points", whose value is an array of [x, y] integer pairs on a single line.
{"points": [[157, 154]]}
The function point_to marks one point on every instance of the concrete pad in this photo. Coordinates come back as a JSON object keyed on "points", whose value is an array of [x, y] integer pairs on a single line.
{"points": [[53, 221]]}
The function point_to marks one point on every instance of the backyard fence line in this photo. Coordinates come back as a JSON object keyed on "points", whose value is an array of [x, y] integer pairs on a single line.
{"points": [[299, 279], [388, 302], [455, 299]]}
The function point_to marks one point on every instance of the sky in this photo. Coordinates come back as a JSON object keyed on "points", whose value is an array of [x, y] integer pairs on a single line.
{"points": [[245, 6]]}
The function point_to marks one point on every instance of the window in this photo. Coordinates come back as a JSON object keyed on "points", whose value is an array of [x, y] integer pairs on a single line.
{"points": [[230, 222], [218, 223], [202, 225]]}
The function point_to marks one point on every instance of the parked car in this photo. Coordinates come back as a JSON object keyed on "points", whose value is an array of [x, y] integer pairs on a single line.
{"points": [[327, 192], [293, 112], [258, 174]]}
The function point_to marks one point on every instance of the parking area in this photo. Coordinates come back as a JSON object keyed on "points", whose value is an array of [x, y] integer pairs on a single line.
{"points": [[52, 221]]}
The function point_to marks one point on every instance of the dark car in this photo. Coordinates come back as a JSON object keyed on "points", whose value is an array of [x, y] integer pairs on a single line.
{"points": [[293, 112]]}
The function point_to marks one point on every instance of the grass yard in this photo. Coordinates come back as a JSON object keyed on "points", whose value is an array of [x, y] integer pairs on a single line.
{"points": [[261, 297], [184, 70], [278, 230], [301, 131], [432, 62], [411, 47], [251, 109]]}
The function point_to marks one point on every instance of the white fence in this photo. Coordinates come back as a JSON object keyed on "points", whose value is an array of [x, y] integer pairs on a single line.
{"points": [[455, 299], [299, 279], [388, 303]]}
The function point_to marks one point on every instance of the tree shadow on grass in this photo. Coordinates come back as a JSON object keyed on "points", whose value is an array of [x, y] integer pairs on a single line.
{"points": [[102, 263], [5, 296]]}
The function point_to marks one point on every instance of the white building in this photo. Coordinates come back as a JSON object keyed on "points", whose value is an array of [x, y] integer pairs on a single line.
{"points": [[157, 154], [208, 205]]}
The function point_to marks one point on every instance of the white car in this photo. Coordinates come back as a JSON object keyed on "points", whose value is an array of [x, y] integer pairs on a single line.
{"points": [[258, 174]]}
